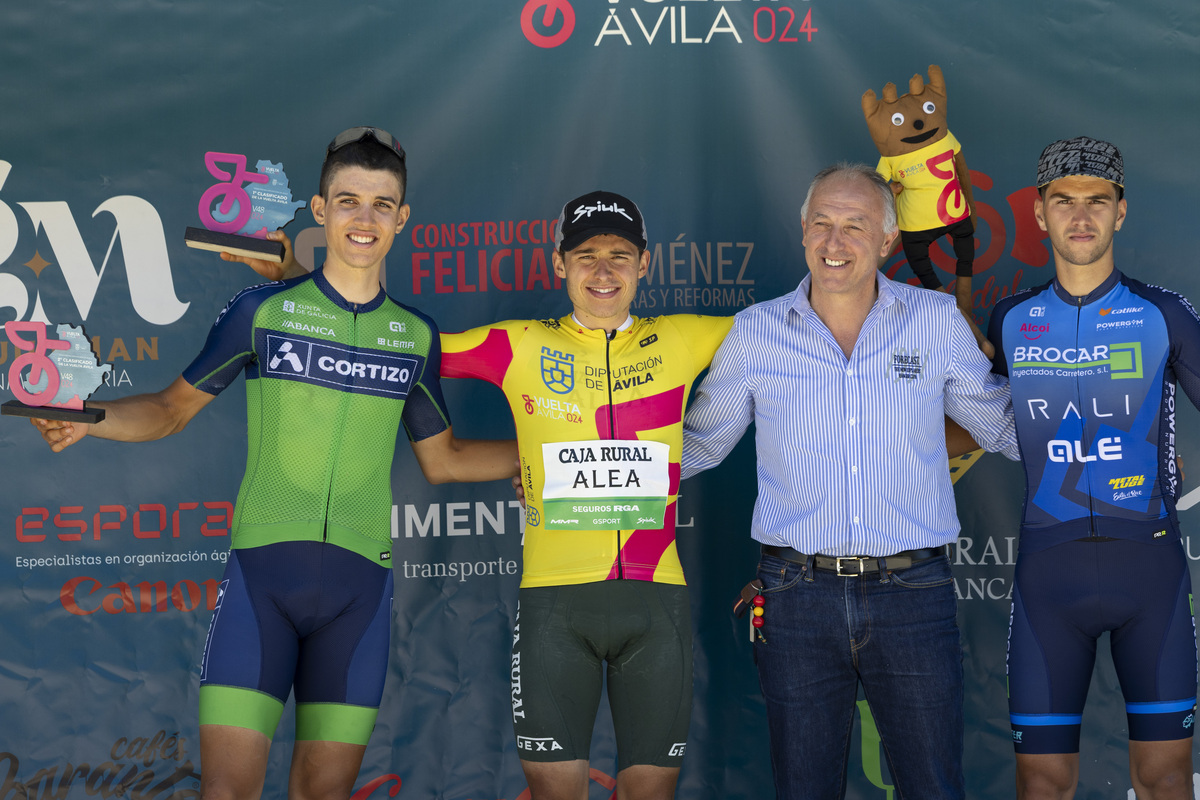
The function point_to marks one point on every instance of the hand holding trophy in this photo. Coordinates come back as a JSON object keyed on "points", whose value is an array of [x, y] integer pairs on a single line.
{"points": [[238, 212], [52, 377]]}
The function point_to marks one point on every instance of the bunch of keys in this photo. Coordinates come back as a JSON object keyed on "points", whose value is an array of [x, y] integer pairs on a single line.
{"points": [[752, 599]]}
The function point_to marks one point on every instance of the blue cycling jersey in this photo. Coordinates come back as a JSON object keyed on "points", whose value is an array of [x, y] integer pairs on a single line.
{"points": [[1093, 389]]}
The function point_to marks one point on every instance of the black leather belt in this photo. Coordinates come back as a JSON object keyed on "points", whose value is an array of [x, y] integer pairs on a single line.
{"points": [[853, 566]]}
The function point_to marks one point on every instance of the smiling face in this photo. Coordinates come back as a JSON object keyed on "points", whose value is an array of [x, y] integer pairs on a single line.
{"points": [[844, 239], [1080, 213], [905, 124], [602, 276], [362, 215]]}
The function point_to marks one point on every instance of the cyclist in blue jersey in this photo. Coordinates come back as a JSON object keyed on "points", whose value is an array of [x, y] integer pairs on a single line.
{"points": [[333, 366], [1094, 358]]}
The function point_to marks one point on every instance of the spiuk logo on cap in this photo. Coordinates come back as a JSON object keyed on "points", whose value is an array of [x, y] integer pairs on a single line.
{"points": [[598, 213], [1081, 156]]}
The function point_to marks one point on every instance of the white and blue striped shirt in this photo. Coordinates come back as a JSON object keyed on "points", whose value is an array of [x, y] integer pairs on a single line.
{"points": [[851, 452]]}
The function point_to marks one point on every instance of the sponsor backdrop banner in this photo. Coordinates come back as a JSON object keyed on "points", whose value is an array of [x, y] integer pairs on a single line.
{"points": [[712, 114]]}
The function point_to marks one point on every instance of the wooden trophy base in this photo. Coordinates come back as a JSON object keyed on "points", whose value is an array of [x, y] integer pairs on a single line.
{"points": [[15, 408], [245, 246]]}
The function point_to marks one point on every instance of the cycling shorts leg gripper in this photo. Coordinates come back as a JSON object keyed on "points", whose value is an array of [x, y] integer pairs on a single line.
{"points": [[1154, 651], [240, 708], [333, 722]]}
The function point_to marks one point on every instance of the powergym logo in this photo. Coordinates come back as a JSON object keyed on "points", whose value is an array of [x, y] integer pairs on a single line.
{"points": [[551, 23], [355, 370], [142, 246]]}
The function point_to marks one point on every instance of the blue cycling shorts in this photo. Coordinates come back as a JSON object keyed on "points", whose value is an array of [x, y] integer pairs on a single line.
{"points": [[1069, 594], [305, 615]]}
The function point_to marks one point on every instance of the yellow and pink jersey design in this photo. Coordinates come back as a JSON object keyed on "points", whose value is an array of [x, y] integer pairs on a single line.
{"points": [[588, 408]]}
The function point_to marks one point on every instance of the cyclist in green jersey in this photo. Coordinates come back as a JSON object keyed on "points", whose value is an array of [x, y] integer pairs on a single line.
{"points": [[333, 366]]}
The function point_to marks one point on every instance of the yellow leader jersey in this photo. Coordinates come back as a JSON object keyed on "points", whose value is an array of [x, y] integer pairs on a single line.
{"points": [[599, 421], [932, 196]]}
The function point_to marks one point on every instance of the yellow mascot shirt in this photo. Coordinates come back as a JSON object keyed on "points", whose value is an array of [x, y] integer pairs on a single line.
{"points": [[932, 196]]}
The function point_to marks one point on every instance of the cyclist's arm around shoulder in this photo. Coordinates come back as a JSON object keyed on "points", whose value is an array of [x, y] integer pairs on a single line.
{"points": [[443, 458]]}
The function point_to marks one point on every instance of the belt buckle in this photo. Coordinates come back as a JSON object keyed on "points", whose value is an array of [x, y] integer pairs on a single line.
{"points": [[858, 560]]}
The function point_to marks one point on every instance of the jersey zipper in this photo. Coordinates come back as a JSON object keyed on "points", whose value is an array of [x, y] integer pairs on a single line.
{"points": [[612, 426], [1087, 469], [337, 445]]}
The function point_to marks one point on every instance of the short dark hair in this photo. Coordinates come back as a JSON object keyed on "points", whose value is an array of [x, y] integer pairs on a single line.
{"points": [[368, 154]]}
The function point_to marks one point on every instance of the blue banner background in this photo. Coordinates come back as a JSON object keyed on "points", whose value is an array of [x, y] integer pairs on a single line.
{"points": [[679, 104]]}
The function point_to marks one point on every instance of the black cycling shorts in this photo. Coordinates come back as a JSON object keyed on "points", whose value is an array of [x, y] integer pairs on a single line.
{"points": [[564, 637]]}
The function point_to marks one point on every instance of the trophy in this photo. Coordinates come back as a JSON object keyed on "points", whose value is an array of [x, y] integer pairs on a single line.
{"points": [[238, 212], [52, 377]]}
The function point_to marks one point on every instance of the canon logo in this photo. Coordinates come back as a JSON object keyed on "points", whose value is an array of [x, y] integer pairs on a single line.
{"points": [[83, 596]]}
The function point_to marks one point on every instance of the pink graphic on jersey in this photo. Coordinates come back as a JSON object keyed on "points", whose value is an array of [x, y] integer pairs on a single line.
{"points": [[488, 361], [644, 549]]}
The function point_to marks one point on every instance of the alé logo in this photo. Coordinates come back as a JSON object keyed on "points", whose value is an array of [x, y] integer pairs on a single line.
{"points": [[142, 245]]}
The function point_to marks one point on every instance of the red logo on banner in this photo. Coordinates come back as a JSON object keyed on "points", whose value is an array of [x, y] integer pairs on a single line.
{"points": [[552, 8], [365, 792], [1028, 244]]}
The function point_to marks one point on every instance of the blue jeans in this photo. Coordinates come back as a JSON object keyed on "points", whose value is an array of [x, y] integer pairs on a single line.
{"points": [[897, 635]]}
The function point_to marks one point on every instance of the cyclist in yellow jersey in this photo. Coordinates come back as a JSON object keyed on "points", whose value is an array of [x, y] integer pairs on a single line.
{"points": [[598, 398]]}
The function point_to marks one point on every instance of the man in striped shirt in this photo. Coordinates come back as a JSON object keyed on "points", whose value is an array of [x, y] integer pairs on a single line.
{"points": [[847, 380]]}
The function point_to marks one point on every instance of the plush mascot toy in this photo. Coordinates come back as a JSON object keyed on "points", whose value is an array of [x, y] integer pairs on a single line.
{"points": [[929, 177]]}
